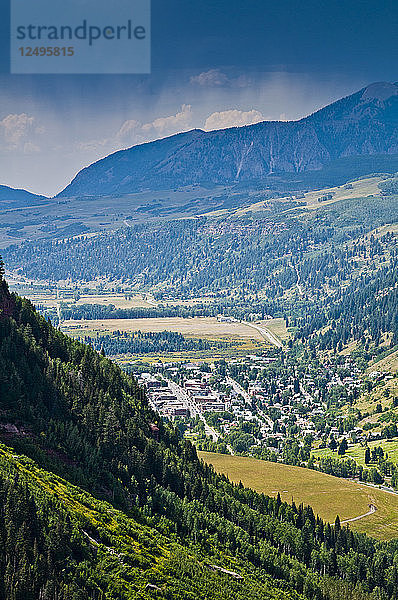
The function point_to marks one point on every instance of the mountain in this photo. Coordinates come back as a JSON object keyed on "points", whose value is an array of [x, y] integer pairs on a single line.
{"points": [[100, 499], [18, 198], [359, 126]]}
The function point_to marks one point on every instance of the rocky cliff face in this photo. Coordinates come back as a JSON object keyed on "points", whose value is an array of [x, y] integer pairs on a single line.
{"points": [[363, 124]]}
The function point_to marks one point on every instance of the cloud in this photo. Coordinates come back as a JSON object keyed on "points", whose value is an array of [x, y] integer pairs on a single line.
{"points": [[173, 124], [232, 118], [90, 145], [30, 148], [128, 129], [210, 78], [18, 132], [216, 78], [135, 132]]}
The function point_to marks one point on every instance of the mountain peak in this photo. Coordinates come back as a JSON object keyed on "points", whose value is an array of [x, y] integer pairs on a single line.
{"points": [[381, 90], [363, 124]]}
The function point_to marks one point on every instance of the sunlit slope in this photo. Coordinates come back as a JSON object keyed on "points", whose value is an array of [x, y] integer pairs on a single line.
{"points": [[128, 559]]}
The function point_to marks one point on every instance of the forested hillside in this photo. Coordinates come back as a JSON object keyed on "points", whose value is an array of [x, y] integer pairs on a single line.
{"points": [[331, 270], [204, 254], [363, 312], [148, 518]]}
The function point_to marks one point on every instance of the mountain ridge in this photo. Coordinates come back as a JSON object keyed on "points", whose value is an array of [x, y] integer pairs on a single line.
{"points": [[17, 197], [362, 124]]}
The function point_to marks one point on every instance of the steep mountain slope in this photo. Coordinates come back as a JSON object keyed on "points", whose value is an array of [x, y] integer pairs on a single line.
{"points": [[71, 546], [148, 518], [363, 124], [18, 198]]}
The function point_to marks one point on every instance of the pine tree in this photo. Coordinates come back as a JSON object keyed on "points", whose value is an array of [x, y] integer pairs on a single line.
{"points": [[332, 443], [343, 447]]}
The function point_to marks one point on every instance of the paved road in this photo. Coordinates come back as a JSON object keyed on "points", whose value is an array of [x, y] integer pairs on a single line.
{"points": [[240, 390], [193, 409], [383, 488], [270, 337], [151, 301]]}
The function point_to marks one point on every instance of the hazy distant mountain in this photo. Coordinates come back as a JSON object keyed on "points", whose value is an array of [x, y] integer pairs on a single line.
{"points": [[18, 198], [364, 124]]}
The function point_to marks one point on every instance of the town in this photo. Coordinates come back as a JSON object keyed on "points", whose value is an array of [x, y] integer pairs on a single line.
{"points": [[258, 404]]}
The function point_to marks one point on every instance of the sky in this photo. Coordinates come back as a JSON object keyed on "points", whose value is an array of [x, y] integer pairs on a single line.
{"points": [[215, 64]]}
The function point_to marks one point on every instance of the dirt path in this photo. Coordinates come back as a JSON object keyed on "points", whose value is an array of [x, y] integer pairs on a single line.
{"points": [[298, 284], [372, 509]]}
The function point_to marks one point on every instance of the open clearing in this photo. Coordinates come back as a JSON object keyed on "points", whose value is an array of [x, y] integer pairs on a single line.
{"points": [[235, 348], [357, 452], [118, 300], [197, 326], [382, 394], [327, 495], [389, 363], [41, 293], [361, 188]]}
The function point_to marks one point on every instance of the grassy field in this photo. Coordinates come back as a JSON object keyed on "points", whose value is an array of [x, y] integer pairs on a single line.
{"points": [[327, 495], [362, 188], [382, 394], [357, 452], [50, 300], [380, 231], [40, 293], [389, 363], [241, 339], [118, 300], [277, 327], [202, 327], [235, 349]]}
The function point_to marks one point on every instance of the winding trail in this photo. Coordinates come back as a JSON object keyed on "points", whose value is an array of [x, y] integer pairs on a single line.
{"points": [[151, 301], [298, 284], [372, 509]]}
